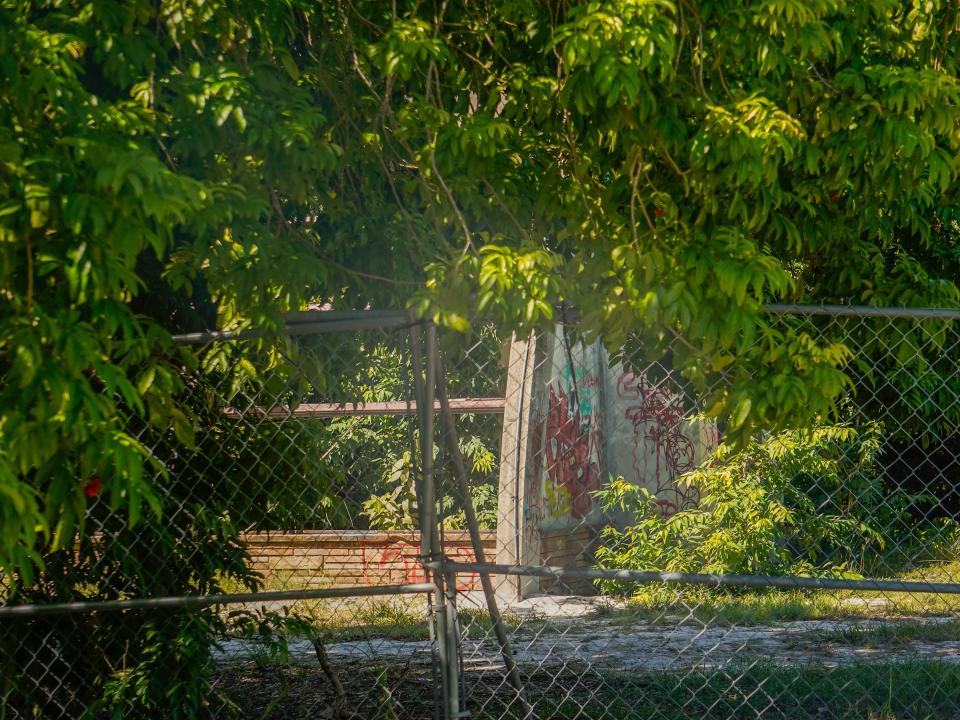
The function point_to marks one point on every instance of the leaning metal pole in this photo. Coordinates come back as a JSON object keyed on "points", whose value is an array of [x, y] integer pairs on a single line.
{"points": [[449, 430]]}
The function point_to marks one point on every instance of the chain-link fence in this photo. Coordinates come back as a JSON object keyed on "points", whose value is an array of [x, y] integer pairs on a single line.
{"points": [[364, 519], [276, 570], [648, 569]]}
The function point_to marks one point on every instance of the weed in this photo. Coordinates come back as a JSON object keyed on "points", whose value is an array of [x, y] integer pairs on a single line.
{"points": [[895, 634]]}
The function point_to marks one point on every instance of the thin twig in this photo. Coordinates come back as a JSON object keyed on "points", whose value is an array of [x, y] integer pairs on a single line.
{"points": [[506, 208], [340, 704], [29, 249], [368, 276], [683, 341], [634, 177], [700, 53]]}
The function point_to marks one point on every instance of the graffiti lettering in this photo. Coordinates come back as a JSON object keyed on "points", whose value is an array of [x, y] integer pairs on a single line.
{"points": [[571, 445], [399, 561], [657, 414], [587, 385]]}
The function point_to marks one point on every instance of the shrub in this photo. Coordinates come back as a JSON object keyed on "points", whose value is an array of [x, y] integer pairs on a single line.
{"points": [[801, 502]]}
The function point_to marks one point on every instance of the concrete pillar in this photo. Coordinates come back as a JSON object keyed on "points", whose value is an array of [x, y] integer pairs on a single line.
{"points": [[518, 537]]}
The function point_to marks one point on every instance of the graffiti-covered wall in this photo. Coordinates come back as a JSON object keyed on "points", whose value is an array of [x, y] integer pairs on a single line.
{"points": [[652, 438], [580, 420], [567, 437]]}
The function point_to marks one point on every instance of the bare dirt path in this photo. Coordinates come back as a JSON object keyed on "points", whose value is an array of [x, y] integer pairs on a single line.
{"points": [[556, 631]]}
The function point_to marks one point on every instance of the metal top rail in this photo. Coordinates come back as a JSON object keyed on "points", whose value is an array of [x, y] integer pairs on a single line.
{"points": [[793, 582], [318, 321], [198, 601], [312, 322], [865, 311]]}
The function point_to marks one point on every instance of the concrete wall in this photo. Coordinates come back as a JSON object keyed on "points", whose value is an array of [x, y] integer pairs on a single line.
{"points": [[572, 421]]}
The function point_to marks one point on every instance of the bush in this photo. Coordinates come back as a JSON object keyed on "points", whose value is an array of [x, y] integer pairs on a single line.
{"points": [[140, 663], [801, 502]]}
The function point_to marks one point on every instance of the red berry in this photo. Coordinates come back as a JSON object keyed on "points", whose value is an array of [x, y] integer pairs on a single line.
{"points": [[834, 197], [93, 487]]}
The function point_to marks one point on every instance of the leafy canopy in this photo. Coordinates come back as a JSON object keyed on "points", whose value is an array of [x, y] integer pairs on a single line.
{"points": [[660, 165]]}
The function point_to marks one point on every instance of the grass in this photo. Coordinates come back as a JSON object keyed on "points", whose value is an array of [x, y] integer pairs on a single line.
{"points": [[894, 634], [685, 604], [697, 605], [402, 618]]}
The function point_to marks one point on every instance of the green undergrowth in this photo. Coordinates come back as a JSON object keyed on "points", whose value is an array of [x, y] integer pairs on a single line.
{"points": [[912, 690], [894, 634]]}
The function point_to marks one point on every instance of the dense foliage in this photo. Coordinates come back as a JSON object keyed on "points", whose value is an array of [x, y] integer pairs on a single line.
{"points": [[805, 502], [655, 163]]}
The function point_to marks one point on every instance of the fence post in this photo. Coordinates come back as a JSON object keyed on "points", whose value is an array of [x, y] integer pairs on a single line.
{"points": [[452, 637], [423, 516], [443, 609], [518, 536]]}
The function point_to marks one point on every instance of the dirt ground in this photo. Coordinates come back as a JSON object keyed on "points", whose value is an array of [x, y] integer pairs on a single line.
{"points": [[560, 630], [576, 639]]}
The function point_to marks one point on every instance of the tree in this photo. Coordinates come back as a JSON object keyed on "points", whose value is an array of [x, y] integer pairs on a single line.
{"points": [[667, 167]]}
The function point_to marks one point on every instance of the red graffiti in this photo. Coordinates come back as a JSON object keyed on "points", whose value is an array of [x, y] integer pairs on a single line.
{"points": [[399, 562], [569, 448], [657, 420]]}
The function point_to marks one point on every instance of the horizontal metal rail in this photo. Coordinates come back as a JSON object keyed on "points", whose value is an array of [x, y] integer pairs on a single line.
{"points": [[312, 411], [311, 323], [312, 316], [865, 311], [638, 576], [195, 601], [319, 321]]}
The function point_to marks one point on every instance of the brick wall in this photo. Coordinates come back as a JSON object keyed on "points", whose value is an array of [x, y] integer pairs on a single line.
{"points": [[568, 548], [344, 558]]}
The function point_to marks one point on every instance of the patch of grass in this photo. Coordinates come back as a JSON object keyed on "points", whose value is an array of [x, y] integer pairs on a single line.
{"points": [[702, 606], [476, 625], [279, 579], [697, 604], [341, 620], [894, 634], [381, 619], [400, 618], [396, 618]]}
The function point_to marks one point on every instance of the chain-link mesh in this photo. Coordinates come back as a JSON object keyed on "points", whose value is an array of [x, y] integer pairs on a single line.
{"points": [[291, 474], [640, 563], [611, 464]]}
